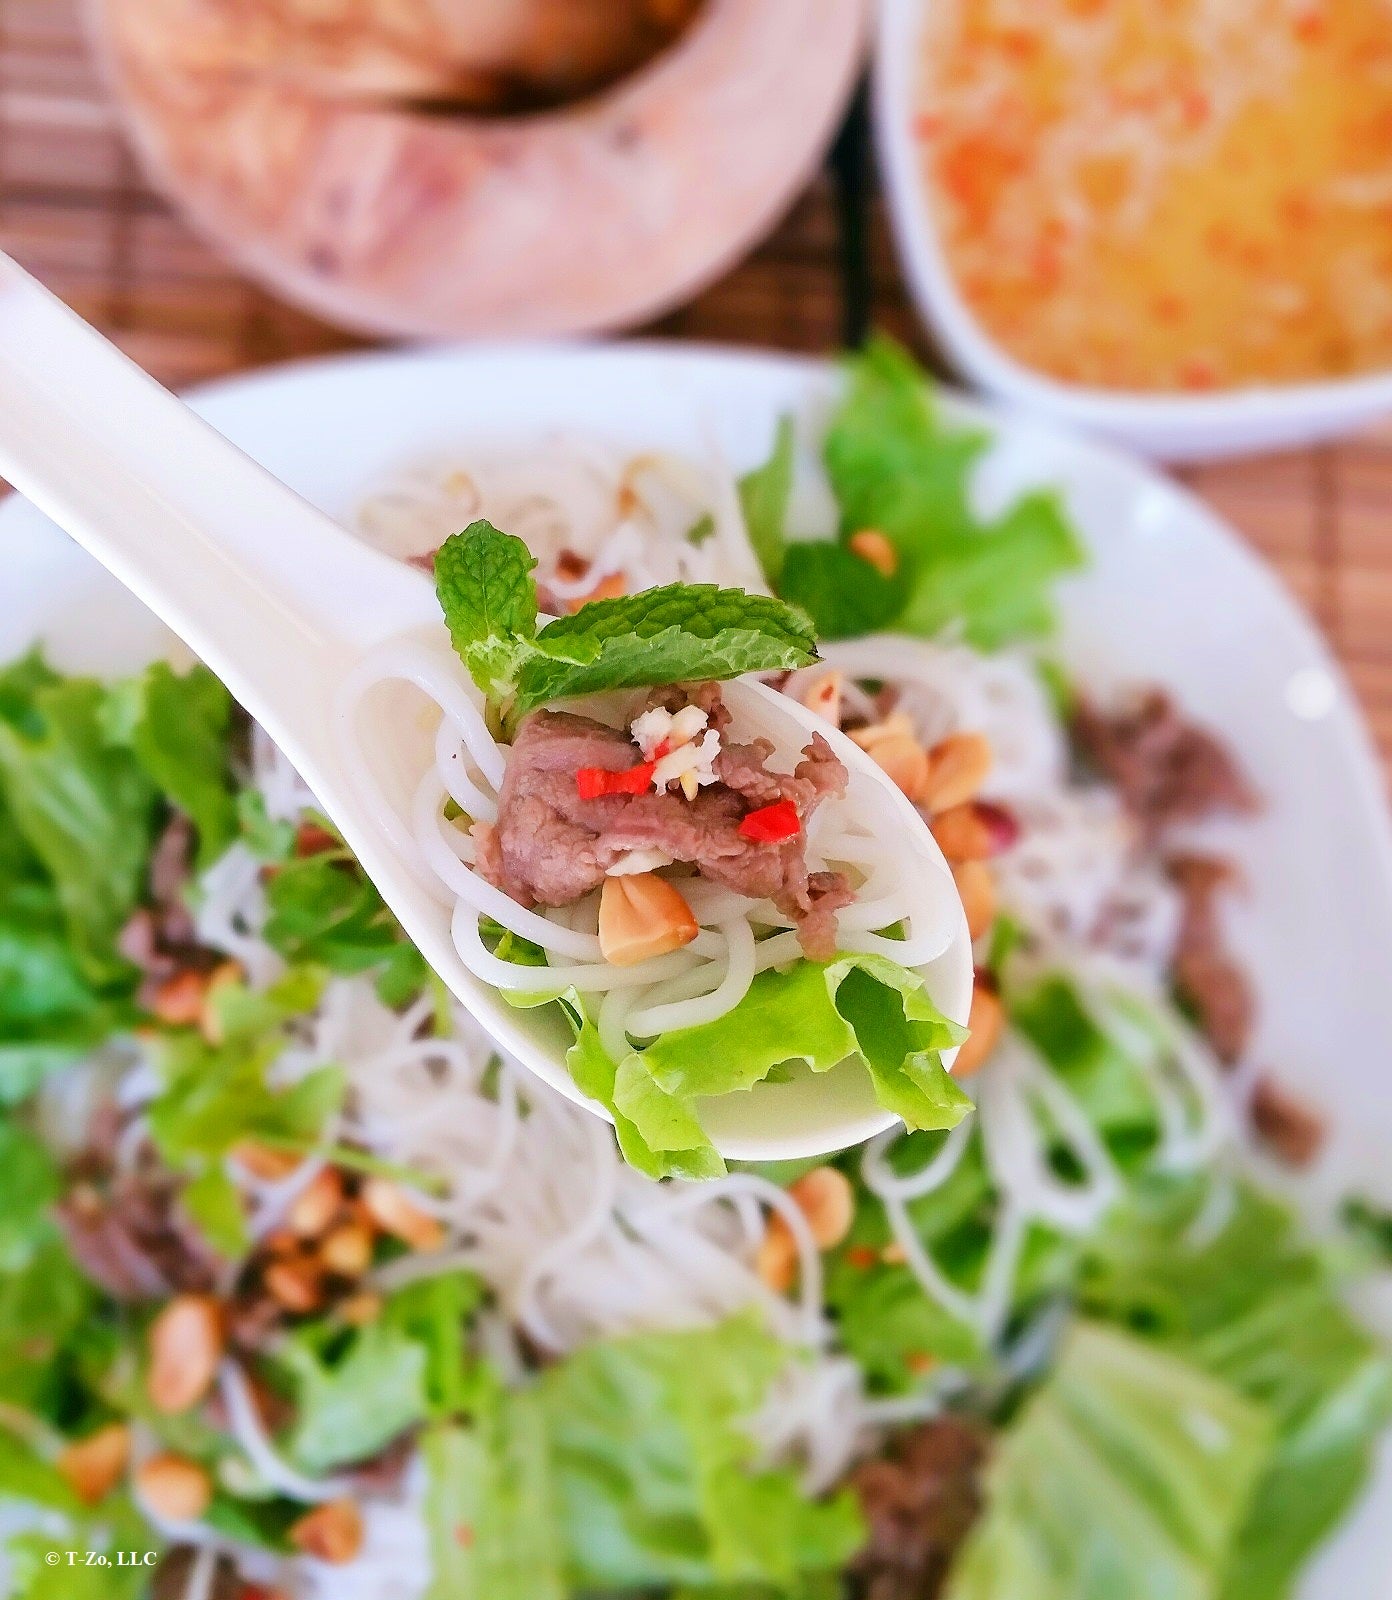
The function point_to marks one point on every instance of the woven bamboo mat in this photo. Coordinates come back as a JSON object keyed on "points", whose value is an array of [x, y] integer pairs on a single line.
{"points": [[75, 211]]}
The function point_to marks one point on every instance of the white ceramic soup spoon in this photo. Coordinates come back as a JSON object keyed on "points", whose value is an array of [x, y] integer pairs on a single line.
{"points": [[283, 605]]}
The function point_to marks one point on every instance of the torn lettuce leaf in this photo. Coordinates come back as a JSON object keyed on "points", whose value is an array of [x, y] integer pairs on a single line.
{"points": [[626, 1467], [177, 726], [811, 1012], [814, 1013], [1257, 1307], [896, 467], [84, 808], [351, 1402], [1128, 1472], [763, 495]]}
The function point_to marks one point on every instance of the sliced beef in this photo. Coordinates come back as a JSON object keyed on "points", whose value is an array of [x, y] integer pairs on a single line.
{"points": [[1208, 980], [919, 1502], [1168, 770], [159, 938], [128, 1234], [550, 846], [1292, 1127]]}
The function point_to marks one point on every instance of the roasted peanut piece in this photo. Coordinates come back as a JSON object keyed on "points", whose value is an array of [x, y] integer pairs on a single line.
{"points": [[608, 588], [393, 1210], [895, 725], [179, 1000], [986, 1021], [823, 695], [92, 1467], [347, 1249], [174, 1488], [957, 767], [974, 831], [642, 915], [872, 546], [186, 1342], [317, 1204], [905, 761], [332, 1532], [825, 1197], [223, 977], [261, 1161], [976, 888], [776, 1261], [360, 1309], [295, 1283]]}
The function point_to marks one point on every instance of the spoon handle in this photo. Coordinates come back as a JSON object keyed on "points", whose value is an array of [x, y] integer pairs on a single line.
{"points": [[266, 589]]}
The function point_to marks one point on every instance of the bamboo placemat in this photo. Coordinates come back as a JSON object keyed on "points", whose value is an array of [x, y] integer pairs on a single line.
{"points": [[75, 211]]}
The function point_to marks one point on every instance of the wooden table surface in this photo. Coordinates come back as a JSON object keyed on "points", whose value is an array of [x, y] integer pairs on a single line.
{"points": [[75, 210]]}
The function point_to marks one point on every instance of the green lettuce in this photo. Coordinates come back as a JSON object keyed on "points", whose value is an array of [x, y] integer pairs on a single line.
{"points": [[177, 725], [1257, 1307], [350, 1403], [1129, 1472], [815, 1013], [626, 1467], [896, 467], [322, 909], [84, 808]]}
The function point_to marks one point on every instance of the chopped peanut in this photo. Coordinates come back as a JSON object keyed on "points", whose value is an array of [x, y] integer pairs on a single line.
{"points": [[92, 1467], [642, 915], [295, 1283], [317, 1204], [894, 1254], [986, 1020], [186, 1341], [179, 1000], [223, 976], [826, 1199], [905, 760], [777, 1258], [974, 831], [957, 767], [174, 1488], [823, 695], [895, 725], [872, 546], [393, 1210], [347, 1249], [608, 588], [261, 1161], [360, 1309], [976, 888], [332, 1532]]}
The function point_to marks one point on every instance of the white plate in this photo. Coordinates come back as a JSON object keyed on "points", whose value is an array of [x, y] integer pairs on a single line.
{"points": [[1171, 596], [1173, 427]]}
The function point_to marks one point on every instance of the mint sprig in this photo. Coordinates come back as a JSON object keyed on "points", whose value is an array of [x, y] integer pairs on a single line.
{"points": [[668, 635]]}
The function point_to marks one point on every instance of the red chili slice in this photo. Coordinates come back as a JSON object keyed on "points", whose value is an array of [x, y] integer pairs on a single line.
{"points": [[592, 782], [772, 824]]}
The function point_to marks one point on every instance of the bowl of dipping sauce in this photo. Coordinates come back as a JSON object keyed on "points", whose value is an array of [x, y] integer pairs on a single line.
{"points": [[1164, 220]]}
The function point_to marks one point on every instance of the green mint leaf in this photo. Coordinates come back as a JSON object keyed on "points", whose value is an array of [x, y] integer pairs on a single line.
{"points": [[763, 496], [667, 635], [487, 593]]}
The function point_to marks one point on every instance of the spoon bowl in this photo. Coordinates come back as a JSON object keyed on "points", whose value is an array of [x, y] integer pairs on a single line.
{"points": [[284, 606]]}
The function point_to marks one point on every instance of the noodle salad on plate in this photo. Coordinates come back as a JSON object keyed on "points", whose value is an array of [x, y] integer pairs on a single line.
{"points": [[306, 1289]]}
